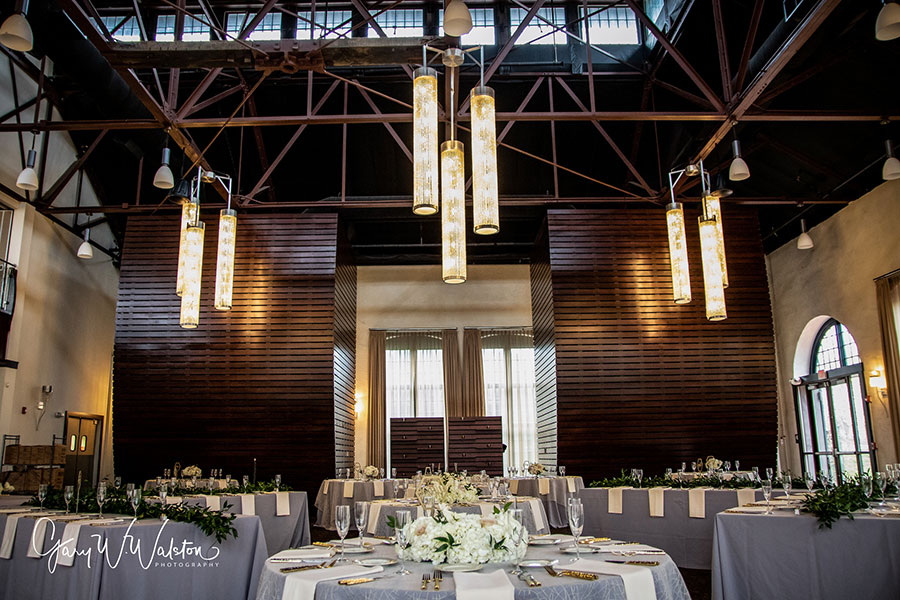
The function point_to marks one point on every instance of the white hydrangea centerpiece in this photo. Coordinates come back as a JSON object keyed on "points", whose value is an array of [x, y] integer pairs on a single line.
{"points": [[458, 538], [371, 471], [448, 488], [7, 488], [536, 469], [192, 471]]}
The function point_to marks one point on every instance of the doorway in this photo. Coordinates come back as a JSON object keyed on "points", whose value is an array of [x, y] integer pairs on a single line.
{"points": [[84, 443]]}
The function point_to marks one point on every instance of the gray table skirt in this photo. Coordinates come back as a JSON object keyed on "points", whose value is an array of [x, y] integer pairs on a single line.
{"points": [[783, 555], [688, 540], [362, 491], [120, 572], [391, 508], [555, 501], [13, 501], [289, 531], [666, 578]]}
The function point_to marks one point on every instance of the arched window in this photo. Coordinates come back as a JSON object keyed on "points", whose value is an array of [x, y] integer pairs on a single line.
{"points": [[835, 433]]}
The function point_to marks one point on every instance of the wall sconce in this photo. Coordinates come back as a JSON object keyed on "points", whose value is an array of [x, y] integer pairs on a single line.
{"points": [[43, 401], [359, 404], [877, 381]]}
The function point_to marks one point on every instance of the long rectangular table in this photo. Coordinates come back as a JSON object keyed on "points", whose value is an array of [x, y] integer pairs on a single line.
{"points": [[333, 492], [688, 540], [553, 492], [143, 561], [784, 555]]}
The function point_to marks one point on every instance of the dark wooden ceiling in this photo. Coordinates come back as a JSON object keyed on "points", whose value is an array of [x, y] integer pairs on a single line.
{"points": [[811, 98]]}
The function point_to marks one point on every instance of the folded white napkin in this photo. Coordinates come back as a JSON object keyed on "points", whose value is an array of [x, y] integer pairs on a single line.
{"points": [[697, 503], [348, 489], [36, 546], [325, 485], [543, 486], [513, 486], [213, 502], [378, 488], [570, 484], [173, 499], [487, 509], [483, 586], [69, 542], [374, 514], [282, 504], [410, 492], [302, 584], [9, 535], [302, 554], [537, 513], [248, 504], [746, 496], [638, 580], [615, 500], [657, 504]]}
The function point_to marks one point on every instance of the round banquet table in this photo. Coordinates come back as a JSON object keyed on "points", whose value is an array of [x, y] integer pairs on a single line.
{"points": [[666, 579], [558, 491], [333, 492], [533, 513]]}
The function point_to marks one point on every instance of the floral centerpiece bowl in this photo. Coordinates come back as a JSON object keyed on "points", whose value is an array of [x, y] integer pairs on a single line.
{"points": [[371, 471], [458, 538], [536, 469], [446, 488]]}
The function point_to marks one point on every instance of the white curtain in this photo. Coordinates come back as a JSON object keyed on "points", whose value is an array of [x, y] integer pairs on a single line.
{"points": [[508, 363], [414, 375]]}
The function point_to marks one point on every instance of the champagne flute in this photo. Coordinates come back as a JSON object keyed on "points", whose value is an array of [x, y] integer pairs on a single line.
{"points": [[163, 492], [516, 533], [101, 496], [576, 522], [228, 481], [118, 482], [767, 493], [402, 520], [786, 482], [562, 470], [42, 493], [809, 481], [737, 465], [882, 485], [769, 472], [277, 481], [68, 494], [342, 523], [755, 474], [245, 479], [393, 472], [362, 519], [135, 499], [639, 475]]}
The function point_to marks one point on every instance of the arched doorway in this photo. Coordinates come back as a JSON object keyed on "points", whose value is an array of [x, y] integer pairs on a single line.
{"points": [[835, 432]]}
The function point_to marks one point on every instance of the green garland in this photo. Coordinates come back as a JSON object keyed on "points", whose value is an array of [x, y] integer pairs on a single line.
{"points": [[705, 481], [216, 523]]}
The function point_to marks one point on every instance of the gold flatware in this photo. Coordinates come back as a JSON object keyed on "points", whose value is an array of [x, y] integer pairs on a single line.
{"points": [[593, 540], [323, 544], [637, 563], [301, 568], [356, 581], [438, 577], [568, 573], [426, 579], [532, 582]]}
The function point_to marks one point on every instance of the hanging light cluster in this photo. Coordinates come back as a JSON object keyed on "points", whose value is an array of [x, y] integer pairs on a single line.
{"points": [[190, 252], [712, 246], [452, 203]]}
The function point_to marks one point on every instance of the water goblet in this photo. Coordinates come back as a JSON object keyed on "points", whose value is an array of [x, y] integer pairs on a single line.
{"points": [[347, 473], [381, 472], [402, 519], [277, 481], [428, 508], [683, 467], [68, 494], [245, 479], [158, 482], [135, 499], [117, 482], [668, 472], [101, 495], [393, 472], [211, 484], [342, 523], [562, 470], [576, 522], [737, 465], [810, 481], [726, 466], [163, 492], [866, 482], [42, 493], [174, 483], [766, 485], [639, 475], [129, 487], [769, 472], [786, 483], [755, 474], [362, 519], [882, 485], [517, 534], [694, 466]]}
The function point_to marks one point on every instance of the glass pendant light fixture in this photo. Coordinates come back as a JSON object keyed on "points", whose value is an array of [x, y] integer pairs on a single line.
{"points": [[190, 210], [712, 270], [193, 270], [678, 256], [163, 179], [453, 200], [15, 33], [739, 170], [713, 208], [225, 252], [425, 140], [485, 201]]}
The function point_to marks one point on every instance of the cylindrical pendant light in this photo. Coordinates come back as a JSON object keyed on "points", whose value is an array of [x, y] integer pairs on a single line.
{"points": [[714, 211], [453, 215], [193, 269], [712, 270], [485, 202], [189, 214], [678, 256], [425, 142], [225, 258]]}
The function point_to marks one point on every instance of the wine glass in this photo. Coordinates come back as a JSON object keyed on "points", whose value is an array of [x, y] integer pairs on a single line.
{"points": [[129, 487], [517, 533], [694, 466], [726, 466], [135, 499], [562, 470], [101, 496], [576, 522], [393, 472], [766, 485], [68, 494], [428, 505], [668, 472], [163, 492], [381, 472], [866, 482], [118, 482], [810, 482], [401, 520], [882, 485], [342, 523], [277, 481], [362, 519], [755, 474], [639, 475], [245, 479], [786, 482], [769, 472], [683, 467], [737, 465], [228, 481], [42, 494]]}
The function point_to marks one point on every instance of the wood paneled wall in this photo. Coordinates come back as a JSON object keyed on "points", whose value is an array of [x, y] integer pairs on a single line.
{"points": [[260, 381], [475, 444], [544, 350], [640, 381], [416, 443], [344, 353]]}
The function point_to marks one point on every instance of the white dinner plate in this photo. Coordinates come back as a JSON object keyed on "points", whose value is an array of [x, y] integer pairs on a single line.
{"points": [[580, 550], [545, 540], [376, 561], [459, 568], [354, 550], [537, 562]]}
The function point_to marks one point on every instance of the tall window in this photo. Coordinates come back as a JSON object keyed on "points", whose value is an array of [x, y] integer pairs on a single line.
{"points": [[832, 411], [329, 24], [508, 362], [268, 29], [541, 29], [482, 27], [194, 29], [414, 374], [613, 26]]}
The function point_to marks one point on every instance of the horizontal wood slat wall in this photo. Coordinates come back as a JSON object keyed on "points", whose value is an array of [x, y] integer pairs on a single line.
{"points": [[254, 382], [475, 444], [344, 353], [544, 350], [416, 443], [643, 382]]}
